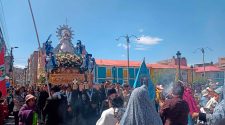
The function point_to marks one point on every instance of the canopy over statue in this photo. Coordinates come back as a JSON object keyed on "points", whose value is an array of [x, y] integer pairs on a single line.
{"points": [[66, 56]]}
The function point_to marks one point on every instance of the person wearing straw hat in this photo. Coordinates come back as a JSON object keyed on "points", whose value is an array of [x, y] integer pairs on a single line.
{"points": [[205, 97], [218, 112], [27, 114]]}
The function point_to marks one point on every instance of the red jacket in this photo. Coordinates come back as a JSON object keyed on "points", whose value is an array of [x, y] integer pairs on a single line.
{"points": [[174, 112]]}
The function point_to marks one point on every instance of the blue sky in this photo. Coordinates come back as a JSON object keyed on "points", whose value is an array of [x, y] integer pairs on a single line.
{"points": [[165, 26]]}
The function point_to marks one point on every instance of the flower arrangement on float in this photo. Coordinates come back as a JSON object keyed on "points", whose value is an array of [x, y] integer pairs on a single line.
{"points": [[68, 60]]}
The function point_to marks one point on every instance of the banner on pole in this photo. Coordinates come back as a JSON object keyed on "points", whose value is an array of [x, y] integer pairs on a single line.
{"points": [[2, 67], [143, 77]]}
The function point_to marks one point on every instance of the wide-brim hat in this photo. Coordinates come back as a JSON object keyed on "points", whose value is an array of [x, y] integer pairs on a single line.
{"points": [[28, 97], [204, 92], [219, 90], [160, 87], [209, 89]]}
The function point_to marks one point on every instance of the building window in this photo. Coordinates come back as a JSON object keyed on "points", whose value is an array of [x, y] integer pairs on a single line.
{"points": [[125, 81], [108, 72], [125, 73], [202, 75], [217, 75]]}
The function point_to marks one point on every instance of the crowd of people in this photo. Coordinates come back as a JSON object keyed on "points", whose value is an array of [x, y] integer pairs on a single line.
{"points": [[68, 104], [114, 104]]}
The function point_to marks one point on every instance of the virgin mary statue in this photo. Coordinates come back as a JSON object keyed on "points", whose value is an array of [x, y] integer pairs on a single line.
{"points": [[65, 36]]}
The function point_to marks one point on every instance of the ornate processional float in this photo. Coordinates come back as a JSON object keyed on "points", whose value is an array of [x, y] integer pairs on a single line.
{"points": [[66, 63]]}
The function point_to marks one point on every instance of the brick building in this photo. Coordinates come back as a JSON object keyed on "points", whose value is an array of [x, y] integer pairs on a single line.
{"points": [[32, 68]]}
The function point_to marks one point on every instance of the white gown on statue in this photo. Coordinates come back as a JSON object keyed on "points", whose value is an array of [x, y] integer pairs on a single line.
{"points": [[65, 46]]}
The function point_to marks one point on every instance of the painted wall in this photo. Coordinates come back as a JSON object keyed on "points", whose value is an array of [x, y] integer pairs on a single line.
{"points": [[166, 76], [215, 76], [118, 75], [163, 76], [115, 74]]}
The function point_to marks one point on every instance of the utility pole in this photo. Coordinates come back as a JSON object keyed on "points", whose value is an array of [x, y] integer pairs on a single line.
{"points": [[127, 37], [39, 45], [35, 27], [192, 74], [179, 57], [114, 74], [25, 75], [203, 57], [11, 65]]}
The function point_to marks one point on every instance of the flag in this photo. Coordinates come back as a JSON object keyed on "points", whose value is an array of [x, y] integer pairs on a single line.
{"points": [[2, 67], [143, 77]]}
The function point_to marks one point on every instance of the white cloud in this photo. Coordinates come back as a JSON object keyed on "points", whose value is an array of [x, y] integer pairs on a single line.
{"points": [[143, 42], [148, 40], [123, 55], [19, 66]]}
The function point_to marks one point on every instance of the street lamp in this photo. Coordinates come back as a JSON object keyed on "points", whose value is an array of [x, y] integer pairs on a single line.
{"points": [[11, 58], [192, 74], [25, 75], [114, 73], [203, 56], [127, 37], [11, 62], [178, 57]]}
